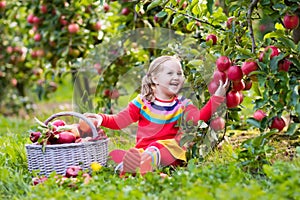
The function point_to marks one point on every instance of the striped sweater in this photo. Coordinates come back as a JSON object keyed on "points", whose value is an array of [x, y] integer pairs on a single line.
{"points": [[158, 120]]}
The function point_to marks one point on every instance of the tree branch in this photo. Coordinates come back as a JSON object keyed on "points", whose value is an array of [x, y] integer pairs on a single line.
{"points": [[249, 13], [195, 18]]}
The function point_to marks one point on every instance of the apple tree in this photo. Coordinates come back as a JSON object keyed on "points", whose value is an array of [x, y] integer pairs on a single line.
{"points": [[40, 42], [259, 41]]}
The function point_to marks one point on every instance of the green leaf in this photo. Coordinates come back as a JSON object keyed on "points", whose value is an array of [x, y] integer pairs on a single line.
{"points": [[196, 63], [209, 5], [154, 4], [196, 9], [287, 42], [185, 139], [161, 14], [293, 128], [253, 122], [190, 26], [177, 19]]}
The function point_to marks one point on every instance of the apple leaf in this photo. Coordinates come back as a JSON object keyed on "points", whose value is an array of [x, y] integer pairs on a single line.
{"points": [[154, 4], [209, 5], [177, 19], [293, 128], [253, 122], [185, 139]]}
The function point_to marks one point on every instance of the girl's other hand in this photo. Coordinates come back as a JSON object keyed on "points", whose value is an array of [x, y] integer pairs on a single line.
{"points": [[222, 89], [95, 118]]}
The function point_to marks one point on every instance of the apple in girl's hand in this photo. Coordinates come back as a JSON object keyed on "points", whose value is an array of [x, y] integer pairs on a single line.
{"points": [[212, 87], [219, 75], [72, 171]]}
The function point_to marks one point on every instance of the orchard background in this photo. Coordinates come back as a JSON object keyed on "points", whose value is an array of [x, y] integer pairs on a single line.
{"points": [[45, 44]]}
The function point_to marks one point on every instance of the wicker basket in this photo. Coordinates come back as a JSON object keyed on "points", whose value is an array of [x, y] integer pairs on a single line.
{"points": [[59, 157]]}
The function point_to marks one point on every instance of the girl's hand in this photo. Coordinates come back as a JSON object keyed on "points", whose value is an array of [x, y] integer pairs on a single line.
{"points": [[95, 118], [222, 89]]}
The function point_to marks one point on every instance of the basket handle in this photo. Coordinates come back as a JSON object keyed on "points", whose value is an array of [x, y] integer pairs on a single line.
{"points": [[75, 114]]}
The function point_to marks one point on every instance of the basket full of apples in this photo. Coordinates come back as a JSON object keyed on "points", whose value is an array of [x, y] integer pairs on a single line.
{"points": [[56, 145]]}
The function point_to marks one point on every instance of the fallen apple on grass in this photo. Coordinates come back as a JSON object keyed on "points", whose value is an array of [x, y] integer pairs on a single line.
{"points": [[72, 171]]}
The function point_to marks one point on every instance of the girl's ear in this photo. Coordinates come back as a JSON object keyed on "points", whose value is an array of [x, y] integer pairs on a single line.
{"points": [[154, 80]]}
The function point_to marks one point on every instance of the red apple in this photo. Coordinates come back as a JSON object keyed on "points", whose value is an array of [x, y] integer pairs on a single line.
{"points": [[97, 26], [274, 52], [277, 123], [290, 21], [212, 87], [284, 65], [38, 180], [248, 84], [36, 20], [58, 122], [106, 7], [65, 137], [259, 115], [2, 4], [34, 136], [213, 38], [72, 171], [223, 63], [217, 123], [43, 9], [14, 82], [218, 75], [156, 18], [30, 18], [37, 37], [125, 11], [73, 28], [229, 22], [233, 99], [238, 85], [235, 73], [62, 20], [241, 96], [248, 67]]}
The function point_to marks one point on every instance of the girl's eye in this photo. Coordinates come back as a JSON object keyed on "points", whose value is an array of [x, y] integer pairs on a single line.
{"points": [[170, 73]]}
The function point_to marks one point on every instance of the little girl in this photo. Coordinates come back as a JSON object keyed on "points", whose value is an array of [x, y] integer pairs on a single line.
{"points": [[158, 110]]}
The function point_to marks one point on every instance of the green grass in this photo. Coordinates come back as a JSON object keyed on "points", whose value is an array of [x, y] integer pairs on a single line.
{"points": [[220, 176]]}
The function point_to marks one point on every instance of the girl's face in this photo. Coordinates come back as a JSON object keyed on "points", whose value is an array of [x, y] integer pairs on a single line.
{"points": [[169, 80]]}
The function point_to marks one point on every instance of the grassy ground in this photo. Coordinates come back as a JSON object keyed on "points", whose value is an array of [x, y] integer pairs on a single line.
{"points": [[222, 175]]}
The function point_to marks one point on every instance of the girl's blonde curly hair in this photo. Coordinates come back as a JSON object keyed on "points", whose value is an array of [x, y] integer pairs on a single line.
{"points": [[148, 86]]}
